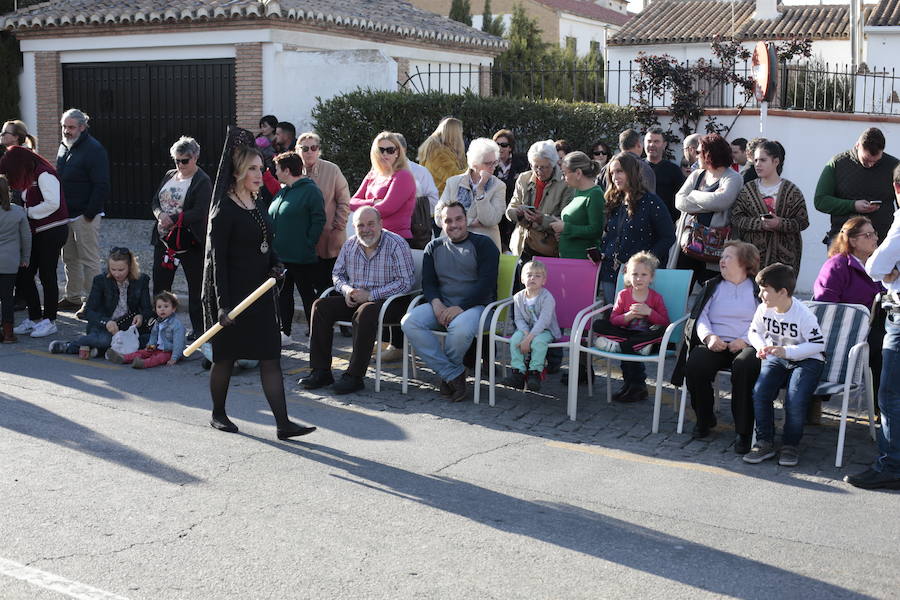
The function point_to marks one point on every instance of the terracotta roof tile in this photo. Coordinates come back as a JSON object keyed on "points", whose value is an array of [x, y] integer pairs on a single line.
{"points": [[885, 14], [585, 8], [393, 17], [698, 21]]}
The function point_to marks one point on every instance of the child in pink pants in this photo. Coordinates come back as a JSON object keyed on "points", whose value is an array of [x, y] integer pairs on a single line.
{"points": [[167, 338]]}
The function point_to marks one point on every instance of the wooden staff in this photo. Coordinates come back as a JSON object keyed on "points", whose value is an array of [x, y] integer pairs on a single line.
{"points": [[237, 310]]}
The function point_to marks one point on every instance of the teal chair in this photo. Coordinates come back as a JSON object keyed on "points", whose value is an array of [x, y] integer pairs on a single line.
{"points": [[675, 286]]}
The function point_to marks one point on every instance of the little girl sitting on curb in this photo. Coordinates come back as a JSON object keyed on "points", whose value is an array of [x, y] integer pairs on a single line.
{"points": [[166, 343]]}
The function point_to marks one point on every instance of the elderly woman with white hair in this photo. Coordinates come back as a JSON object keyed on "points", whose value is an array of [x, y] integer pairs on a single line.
{"points": [[479, 190], [181, 206], [537, 202]]}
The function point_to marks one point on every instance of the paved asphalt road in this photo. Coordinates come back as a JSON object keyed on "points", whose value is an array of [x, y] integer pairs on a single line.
{"points": [[112, 485]]}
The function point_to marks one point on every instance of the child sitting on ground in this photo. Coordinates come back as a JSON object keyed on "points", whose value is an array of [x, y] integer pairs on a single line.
{"points": [[166, 343], [636, 324], [787, 337], [119, 299], [536, 327]]}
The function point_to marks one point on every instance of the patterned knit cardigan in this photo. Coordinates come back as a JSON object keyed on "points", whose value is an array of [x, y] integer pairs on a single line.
{"points": [[784, 244]]}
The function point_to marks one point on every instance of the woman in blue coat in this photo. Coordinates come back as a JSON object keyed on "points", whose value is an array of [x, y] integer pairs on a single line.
{"points": [[636, 220]]}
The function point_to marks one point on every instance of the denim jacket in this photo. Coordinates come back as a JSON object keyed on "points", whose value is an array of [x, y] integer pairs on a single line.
{"points": [[168, 335]]}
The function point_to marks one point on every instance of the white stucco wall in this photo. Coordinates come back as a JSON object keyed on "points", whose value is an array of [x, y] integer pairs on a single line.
{"points": [[882, 47], [584, 31], [803, 165], [293, 78]]}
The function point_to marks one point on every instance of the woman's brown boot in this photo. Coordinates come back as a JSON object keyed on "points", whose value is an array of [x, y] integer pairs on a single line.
{"points": [[8, 336]]}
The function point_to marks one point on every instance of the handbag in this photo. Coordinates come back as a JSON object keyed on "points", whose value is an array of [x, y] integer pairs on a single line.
{"points": [[542, 242], [126, 341], [699, 240], [178, 240]]}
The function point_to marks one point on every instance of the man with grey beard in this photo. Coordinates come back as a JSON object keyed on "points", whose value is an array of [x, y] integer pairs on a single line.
{"points": [[372, 265], [83, 168]]}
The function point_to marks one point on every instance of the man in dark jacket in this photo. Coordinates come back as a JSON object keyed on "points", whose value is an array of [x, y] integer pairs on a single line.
{"points": [[83, 168], [459, 278]]}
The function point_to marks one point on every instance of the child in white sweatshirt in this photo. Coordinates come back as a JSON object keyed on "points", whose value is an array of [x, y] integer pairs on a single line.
{"points": [[787, 338]]}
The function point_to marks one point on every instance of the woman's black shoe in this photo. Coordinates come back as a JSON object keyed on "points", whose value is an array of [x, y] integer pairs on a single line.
{"points": [[293, 430], [623, 391], [637, 393], [742, 444], [348, 384], [223, 423]]}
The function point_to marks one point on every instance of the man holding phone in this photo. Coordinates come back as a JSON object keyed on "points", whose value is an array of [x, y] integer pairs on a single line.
{"points": [[859, 182]]}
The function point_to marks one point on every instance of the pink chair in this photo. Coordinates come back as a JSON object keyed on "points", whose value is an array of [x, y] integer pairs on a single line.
{"points": [[573, 283]]}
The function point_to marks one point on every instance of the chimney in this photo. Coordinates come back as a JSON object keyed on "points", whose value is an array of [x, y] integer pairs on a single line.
{"points": [[765, 10]]}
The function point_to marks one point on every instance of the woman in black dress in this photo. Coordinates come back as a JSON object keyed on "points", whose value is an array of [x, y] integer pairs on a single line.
{"points": [[239, 259]]}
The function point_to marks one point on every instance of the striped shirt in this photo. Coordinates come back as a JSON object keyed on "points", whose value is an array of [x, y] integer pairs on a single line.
{"points": [[387, 272]]}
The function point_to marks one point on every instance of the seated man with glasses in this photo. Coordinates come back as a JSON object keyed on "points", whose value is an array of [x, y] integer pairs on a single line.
{"points": [[372, 265]]}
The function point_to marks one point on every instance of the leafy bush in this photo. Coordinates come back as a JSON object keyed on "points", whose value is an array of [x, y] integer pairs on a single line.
{"points": [[348, 123]]}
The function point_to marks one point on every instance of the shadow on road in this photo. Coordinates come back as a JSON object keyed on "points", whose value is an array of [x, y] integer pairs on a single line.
{"points": [[601, 536], [28, 419]]}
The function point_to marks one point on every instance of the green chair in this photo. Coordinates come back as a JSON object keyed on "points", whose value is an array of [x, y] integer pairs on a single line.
{"points": [[506, 279]]}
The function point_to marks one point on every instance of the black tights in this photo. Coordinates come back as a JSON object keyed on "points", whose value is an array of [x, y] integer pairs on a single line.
{"points": [[272, 384]]}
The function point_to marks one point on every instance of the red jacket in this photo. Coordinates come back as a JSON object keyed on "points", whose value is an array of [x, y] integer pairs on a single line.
{"points": [[24, 169]]}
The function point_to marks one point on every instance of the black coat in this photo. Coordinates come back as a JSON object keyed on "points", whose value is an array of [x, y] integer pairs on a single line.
{"points": [[105, 296], [83, 173], [196, 205], [691, 339], [519, 165]]}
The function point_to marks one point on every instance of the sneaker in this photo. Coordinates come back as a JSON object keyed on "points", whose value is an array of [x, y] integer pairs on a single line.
{"points": [[286, 340], [760, 452], [789, 456], [137, 363], [26, 326], [114, 357], [44, 328], [57, 347], [515, 379], [86, 352], [607, 345], [533, 380], [392, 354], [82, 312], [870, 479]]}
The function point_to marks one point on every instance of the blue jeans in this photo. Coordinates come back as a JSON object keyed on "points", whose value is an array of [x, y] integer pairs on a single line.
{"points": [[538, 351], [99, 338], [801, 378], [888, 459], [418, 326]]}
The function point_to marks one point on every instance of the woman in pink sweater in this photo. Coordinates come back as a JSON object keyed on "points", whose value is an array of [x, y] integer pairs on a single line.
{"points": [[389, 186]]}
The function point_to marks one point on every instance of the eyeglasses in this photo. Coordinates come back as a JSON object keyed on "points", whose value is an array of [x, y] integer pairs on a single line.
{"points": [[867, 234], [600, 153], [490, 163], [388, 150], [182, 161], [542, 167], [504, 144], [313, 148]]}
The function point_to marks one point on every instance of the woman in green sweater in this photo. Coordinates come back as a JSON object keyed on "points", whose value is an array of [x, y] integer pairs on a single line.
{"points": [[298, 216], [582, 220]]}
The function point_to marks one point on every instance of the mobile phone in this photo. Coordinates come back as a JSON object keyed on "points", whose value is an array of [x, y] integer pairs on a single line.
{"points": [[877, 202], [767, 216], [594, 255]]}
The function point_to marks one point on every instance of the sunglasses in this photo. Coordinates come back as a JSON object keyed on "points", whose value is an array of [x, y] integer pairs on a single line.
{"points": [[313, 148], [388, 150], [182, 161], [600, 153], [503, 144], [119, 250]]}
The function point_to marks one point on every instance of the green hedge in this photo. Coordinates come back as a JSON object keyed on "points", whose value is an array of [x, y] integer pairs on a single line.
{"points": [[348, 123]]}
